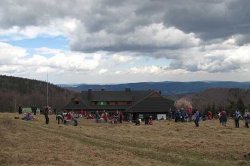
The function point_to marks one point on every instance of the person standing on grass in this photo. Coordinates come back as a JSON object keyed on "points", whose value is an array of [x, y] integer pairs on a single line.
{"points": [[20, 110], [46, 115], [120, 117], [97, 116], [247, 118], [59, 118], [196, 117], [34, 108], [237, 117], [224, 118], [116, 117], [220, 119], [209, 115], [177, 116]]}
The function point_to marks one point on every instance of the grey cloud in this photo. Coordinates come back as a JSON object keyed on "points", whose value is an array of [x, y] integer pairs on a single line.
{"points": [[211, 19], [175, 29], [208, 19]]}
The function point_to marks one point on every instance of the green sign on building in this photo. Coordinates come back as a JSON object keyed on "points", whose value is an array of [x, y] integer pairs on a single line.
{"points": [[102, 103]]}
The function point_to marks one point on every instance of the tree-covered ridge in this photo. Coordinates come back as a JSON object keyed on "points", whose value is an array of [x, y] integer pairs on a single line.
{"points": [[24, 85], [216, 99], [16, 91]]}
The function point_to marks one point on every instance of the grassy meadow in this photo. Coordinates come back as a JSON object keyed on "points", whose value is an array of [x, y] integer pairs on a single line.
{"points": [[89, 143]]}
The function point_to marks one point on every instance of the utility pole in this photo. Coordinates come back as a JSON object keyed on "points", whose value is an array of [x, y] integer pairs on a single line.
{"points": [[15, 104], [47, 91]]}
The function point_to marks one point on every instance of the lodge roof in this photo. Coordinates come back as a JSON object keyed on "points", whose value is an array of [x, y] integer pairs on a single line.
{"points": [[75, 104], [113, 95], [152, 104]]}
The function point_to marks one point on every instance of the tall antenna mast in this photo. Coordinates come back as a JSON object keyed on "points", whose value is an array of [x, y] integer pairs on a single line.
{"points": [[15, 104], [47, 91]]}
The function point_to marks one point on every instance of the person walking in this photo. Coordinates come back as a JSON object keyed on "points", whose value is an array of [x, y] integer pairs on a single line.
{"points": [[20, 110], [46, 115], [97, 116], [224, 118], [197, 118], [237, 117], [59, 118], [34, 108], [120, 117], [209, 115]]}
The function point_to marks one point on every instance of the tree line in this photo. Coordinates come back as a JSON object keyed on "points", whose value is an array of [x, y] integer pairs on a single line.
{"points": [[230, 109], [16, 92]]}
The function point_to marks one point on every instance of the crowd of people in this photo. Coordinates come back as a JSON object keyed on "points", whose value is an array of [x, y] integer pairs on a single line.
{"points": [[179, 115], [186, 115], [104, 116]]}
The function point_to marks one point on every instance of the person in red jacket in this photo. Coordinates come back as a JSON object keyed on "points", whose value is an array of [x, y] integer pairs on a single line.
{"points": [[224, 118], [209, 115], [150, 120], [68, 116]]}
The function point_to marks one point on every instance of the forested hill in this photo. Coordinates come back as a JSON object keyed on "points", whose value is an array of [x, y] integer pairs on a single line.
{"points": [[216, 98], [16, 91]]}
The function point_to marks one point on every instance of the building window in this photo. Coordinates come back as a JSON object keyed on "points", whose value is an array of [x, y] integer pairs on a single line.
{"points": [[112, 103], [122, 103]]}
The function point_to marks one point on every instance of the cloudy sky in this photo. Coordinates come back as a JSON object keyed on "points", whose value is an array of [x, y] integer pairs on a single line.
{"points": [[118, 41]]}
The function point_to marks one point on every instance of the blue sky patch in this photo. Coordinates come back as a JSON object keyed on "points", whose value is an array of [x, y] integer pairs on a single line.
{"points": [[59, 42]]}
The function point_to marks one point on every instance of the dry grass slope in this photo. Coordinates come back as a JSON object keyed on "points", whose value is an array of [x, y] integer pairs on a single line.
{"points": [[164, 143]]}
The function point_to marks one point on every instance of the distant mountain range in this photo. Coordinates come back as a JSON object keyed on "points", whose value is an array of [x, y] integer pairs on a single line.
{"points": [[167, 88]]}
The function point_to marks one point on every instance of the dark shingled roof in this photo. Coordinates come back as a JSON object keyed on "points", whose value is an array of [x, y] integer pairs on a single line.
{"points": [[114, 95], [108, 107], [152, 104], [75, 104], [111, 96]]}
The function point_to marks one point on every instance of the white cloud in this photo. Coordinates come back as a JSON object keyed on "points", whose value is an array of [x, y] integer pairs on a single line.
{"points": [[158, 35], [156, 70], [57, 27], [122, 58], [48, 51], [102, 71], [118, 72], [10, 54], [4, 69], [16, 60], [147, 70]]}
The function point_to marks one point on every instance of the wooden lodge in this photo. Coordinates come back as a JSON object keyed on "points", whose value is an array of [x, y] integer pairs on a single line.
{"points": [[131, 103]]}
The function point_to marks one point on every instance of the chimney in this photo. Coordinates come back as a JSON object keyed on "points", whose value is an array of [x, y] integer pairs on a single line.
{"points": [[127, 90], [89, 94]]}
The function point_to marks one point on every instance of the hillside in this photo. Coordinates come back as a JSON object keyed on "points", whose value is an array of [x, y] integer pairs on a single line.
{"points": [[228, 98], [163, 143], [16, 91], [167, 88]]}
